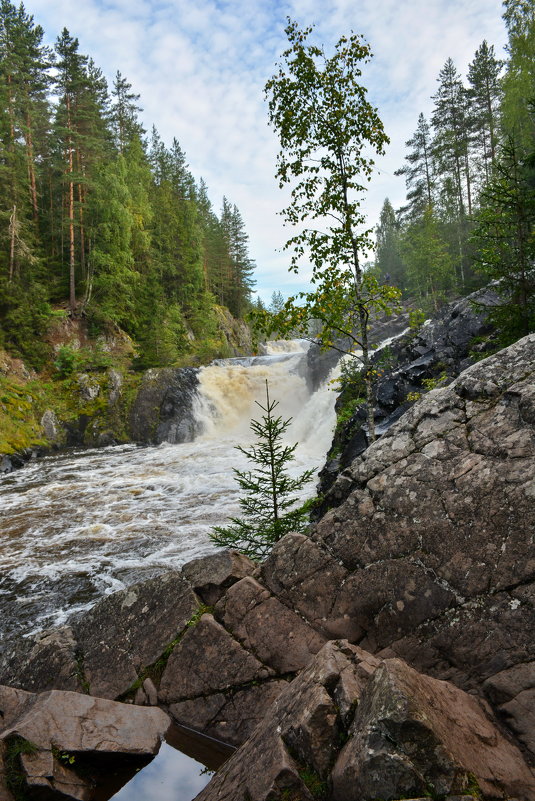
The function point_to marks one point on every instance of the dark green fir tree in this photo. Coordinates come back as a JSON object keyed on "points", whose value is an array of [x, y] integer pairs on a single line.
{"points": [[269, 506]]}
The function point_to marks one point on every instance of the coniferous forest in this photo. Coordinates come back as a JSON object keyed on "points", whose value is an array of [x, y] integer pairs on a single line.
{"points": [[99, 219], [469, 215]]}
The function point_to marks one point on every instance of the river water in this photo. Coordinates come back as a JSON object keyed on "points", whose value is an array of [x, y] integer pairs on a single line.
{"points": [[82, 524]]}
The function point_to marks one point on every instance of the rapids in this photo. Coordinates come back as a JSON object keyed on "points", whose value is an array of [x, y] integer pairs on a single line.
{"points": [[85, 523]]}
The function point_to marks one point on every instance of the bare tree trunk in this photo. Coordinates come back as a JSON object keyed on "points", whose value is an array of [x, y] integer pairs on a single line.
{"points": [[12, 237], [81, 200], [31, 167]]}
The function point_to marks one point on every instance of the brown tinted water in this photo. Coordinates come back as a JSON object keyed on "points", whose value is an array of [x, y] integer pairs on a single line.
{"points": [[80, 525]]}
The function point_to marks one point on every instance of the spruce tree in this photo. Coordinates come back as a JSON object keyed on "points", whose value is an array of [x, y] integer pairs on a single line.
{"points": [[277, 302], [269, 506], [505, 241], [124, 110]]}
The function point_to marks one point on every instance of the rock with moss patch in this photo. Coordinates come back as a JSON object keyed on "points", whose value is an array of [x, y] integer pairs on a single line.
{"points": [[129, 630]]}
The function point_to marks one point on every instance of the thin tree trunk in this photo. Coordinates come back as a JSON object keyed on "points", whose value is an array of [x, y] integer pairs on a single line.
{"points": [[468, 182], [11, 113], [51, 212], [522, 233], [427, 177], [31, 167], [72, 282], [12, 231], [81, 200], [363, 313], [274, 497]]}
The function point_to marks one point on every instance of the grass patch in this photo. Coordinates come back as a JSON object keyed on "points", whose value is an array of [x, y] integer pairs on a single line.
{"points": [[314, 784], [15, 778]]}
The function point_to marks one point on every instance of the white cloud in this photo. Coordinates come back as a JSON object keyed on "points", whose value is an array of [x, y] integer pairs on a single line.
{"points": [[200, 69]]}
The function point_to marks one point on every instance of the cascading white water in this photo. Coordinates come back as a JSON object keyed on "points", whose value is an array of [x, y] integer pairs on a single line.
{"points": [[82, 524], [231, 389]]}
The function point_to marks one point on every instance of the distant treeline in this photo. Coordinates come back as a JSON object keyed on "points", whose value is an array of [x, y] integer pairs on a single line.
{"points": [[470, 176], [98, 218]]}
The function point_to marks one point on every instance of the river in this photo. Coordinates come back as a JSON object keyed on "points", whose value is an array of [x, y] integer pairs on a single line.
{"points": [[81, 524]]}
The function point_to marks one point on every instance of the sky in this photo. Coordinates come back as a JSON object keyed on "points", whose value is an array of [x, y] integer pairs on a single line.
{"points": [[200, 67]]}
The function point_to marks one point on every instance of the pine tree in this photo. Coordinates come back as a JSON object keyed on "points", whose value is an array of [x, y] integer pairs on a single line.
{"points": [[484, 96], [239, 291], [419, 170], [277, 302], [269, 506], [24, 108], [450, 144], [124, 111], [82, 137], [451, 152]]}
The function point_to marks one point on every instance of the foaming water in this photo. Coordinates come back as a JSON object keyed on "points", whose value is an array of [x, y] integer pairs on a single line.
{"points": [[79, 525], [231, 390]]}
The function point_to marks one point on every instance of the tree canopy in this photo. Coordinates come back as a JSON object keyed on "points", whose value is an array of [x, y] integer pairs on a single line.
{"points": [[97, 219], [328, 132]]}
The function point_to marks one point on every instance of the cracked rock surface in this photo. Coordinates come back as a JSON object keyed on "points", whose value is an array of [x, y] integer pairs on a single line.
{"points": [[428, 552], [352, 727]]}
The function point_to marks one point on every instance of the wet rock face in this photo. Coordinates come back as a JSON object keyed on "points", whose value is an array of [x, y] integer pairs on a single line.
{"points": [[162, 410], [439, 351]]}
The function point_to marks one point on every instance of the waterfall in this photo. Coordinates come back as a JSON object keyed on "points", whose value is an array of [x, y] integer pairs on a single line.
{"points": [[229, 390], [82, 524]]}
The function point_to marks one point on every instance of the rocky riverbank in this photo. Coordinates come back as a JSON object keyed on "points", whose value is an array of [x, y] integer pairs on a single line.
{"points": [[388, 655], [90, 396]]}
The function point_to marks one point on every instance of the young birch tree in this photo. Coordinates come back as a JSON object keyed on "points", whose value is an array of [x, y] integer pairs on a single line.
{"points": [[328, 133]]}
